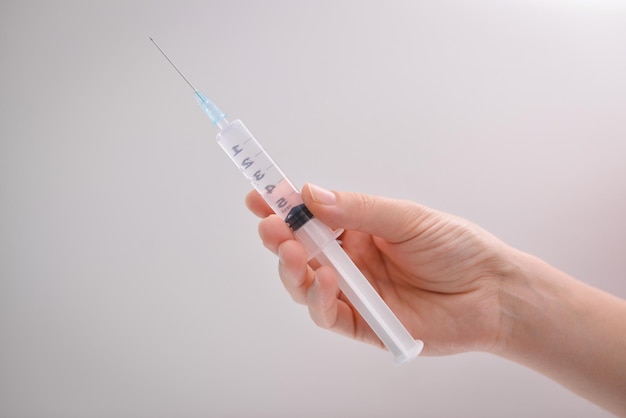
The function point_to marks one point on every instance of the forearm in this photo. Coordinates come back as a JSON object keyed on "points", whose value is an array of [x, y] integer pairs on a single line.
{"points": [[566, 330]]}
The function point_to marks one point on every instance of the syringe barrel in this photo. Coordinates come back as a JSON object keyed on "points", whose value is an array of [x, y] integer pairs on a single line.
{"points": [[266, 177], [319, 241], [317, 238]]}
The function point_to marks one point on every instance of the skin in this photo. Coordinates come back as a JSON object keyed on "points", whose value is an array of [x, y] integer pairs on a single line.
{"points": [[458, 288]]}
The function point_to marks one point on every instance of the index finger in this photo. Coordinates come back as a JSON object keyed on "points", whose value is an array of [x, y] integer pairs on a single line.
{"points": [[257, 205]]}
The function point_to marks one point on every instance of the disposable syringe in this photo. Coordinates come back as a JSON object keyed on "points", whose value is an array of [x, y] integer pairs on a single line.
{"points": [[318, 239]]}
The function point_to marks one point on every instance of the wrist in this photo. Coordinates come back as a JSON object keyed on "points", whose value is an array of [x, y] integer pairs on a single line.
{"points": [[537, 304], [568, 331]]}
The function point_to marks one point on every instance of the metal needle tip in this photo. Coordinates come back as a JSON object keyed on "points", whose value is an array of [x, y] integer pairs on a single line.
{"points": [[173, 65]]}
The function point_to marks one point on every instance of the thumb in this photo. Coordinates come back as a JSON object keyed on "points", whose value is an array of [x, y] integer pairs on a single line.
{"points": [[391, 219]]}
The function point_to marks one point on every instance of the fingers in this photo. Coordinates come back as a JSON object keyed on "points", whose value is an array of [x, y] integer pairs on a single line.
{"points": [[293, 268], [277, 237], [322, 298], [391, 219], [273, 232], [329, 310], [317, 287], [257, 205], [294, 272]]}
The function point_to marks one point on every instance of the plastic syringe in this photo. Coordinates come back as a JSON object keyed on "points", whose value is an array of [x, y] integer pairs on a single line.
{"points": [[318, 239]]}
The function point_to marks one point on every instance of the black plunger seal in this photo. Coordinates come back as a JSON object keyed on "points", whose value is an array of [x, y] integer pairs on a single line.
{"points": [[298, 216]]}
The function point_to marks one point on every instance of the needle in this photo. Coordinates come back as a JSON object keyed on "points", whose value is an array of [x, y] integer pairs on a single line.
{"points": [[217, 116], [173, 65]]}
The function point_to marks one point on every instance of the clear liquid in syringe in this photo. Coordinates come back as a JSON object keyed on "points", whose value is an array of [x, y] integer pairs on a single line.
{"points": [[258, 167]]}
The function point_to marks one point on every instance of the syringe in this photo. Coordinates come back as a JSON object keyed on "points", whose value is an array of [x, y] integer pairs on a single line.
{"points": [[318, 239]]}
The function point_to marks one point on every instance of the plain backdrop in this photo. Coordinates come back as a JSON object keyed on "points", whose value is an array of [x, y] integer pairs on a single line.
{"points": [[132, 280]]}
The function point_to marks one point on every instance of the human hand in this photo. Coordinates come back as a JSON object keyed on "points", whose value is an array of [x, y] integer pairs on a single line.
{"points": [[440, 274], [457, 288]]}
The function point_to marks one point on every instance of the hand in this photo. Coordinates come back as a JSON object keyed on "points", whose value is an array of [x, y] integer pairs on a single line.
{"points": [[457, 288], [440, 274]]}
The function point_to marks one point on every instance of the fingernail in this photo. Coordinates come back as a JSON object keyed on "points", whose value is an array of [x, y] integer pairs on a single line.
{"points": [[279, 254], [322, 196], [312, 292]]}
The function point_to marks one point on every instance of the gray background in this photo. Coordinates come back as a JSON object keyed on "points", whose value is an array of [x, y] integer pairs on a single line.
{"points": [[133, 283]]}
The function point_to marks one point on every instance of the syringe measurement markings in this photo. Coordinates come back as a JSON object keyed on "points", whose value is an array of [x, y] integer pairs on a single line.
{"points": [[265, 180], [268, 168]]}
